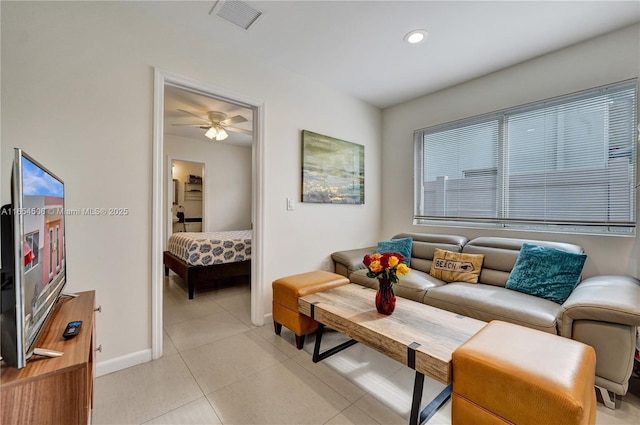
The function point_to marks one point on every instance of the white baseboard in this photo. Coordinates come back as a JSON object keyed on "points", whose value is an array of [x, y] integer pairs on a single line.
{"points": [[123, 362]]}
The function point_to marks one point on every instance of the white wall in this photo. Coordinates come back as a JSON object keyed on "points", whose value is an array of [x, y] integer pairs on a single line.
{"points": [[77, 94], [227, 180], [607, 59]]}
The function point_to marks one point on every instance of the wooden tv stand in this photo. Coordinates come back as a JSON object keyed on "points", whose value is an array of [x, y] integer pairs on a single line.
{"points": [[54, 390]]}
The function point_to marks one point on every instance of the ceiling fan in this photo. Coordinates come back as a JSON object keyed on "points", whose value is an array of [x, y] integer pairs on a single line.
{"points": [[217, 124]]}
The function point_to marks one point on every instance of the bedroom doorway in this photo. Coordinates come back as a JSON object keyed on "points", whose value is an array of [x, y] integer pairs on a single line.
{"points": [[193, 116]]}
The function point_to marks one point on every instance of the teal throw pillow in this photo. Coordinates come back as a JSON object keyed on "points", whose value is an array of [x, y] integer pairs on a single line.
{"points": [[549, 273], [401, 246]]}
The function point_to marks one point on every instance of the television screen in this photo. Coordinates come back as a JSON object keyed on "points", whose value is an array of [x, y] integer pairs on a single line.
{"points": [[33, 256], [42, 243]]}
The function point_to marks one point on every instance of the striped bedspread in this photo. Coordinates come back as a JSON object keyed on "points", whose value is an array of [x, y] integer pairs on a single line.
{"points": [[207, 248]]}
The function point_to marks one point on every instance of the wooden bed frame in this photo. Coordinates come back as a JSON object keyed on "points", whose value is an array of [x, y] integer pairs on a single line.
{"points": [[193, 275]]}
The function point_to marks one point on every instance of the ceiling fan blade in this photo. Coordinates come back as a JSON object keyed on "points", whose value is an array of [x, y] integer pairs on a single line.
{"points": [[194, 125], [192, 114], [239, 130], [235, 120]]}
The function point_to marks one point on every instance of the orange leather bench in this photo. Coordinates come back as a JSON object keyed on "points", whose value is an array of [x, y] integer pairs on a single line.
{"points": [[286, 292], [509, 374]]}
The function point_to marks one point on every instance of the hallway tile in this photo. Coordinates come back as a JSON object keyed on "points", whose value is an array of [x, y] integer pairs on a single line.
{"points": [[283, 394], [239, 305], [142, 392], [185, 309], [202, 330], [285, 342], [197, 412], [352, 416], [223, 362]]}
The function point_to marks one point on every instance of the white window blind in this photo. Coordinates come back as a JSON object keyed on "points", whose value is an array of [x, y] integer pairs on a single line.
{"points": [[563, 164]]}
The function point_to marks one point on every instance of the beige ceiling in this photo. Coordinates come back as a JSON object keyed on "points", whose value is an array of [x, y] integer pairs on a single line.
{"points": [[176, 99], [357, 47]]}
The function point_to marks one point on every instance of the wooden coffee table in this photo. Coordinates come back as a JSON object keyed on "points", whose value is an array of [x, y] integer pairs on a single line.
{"points": [[417, 335]]}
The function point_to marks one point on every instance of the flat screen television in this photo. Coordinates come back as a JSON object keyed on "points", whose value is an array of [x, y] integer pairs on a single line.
{"points": [[33, 272]]}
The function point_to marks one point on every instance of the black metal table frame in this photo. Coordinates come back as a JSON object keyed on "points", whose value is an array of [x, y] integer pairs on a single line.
{"points": [[417, 417]]}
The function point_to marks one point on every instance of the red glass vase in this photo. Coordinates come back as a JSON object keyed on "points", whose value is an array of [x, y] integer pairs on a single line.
{"points": [[385, 298]]}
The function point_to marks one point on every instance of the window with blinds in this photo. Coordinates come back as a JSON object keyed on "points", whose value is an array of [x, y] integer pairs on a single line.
{"points": [[566, 164]]}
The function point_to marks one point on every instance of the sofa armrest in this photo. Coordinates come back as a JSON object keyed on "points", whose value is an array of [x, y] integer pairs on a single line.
{"points": [[347, 262], [613, 299]]}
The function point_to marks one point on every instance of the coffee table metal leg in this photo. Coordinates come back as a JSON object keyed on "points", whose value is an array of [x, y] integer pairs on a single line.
{"points": [[318, 356], [420, 417], [418, 384]]}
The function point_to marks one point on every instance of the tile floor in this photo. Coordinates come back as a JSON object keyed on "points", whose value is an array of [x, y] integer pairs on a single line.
{"points": [[218, 368]]}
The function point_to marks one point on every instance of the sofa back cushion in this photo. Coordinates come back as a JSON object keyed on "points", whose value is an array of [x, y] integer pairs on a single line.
{"points": [[401, 246], [545, 272], [456, 266], [500, 255], [425, 244]]}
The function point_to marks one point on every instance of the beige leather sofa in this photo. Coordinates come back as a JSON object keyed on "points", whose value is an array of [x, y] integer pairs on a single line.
{"points": [[602, 311]]}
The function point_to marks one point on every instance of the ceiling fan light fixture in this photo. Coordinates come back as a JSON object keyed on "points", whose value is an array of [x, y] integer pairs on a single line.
{"points": [[216, 133], [211, 133], [217, 124], [221, 134]]}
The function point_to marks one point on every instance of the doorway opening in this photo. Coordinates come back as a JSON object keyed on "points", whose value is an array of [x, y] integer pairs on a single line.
{"points": [[187, 194], [163, 189]]}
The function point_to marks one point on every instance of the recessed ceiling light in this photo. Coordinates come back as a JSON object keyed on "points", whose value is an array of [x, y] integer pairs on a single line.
{"points": [[416, 36]]}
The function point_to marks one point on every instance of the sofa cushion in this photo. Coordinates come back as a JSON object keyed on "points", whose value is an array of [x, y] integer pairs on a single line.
{"points": [[346, 262], [412, 286], [455, 266], [401, 246], [546, 272], [424, 245], [501, 254], [489, 302]]}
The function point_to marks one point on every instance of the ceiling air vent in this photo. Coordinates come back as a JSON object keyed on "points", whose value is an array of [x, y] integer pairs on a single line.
{"points": [[236, 12]]}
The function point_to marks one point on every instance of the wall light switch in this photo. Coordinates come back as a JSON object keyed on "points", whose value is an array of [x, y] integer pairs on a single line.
{"points": [[290, 204]]}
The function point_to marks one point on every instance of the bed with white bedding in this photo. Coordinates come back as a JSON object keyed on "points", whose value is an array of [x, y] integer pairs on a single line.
{"points": [[199, 257]]}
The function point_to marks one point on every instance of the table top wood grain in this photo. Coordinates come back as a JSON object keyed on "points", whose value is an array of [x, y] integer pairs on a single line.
{"points": [[435, 333]]}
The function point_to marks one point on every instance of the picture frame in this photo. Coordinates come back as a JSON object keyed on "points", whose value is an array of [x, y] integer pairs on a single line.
{"points": [[332, 170]]}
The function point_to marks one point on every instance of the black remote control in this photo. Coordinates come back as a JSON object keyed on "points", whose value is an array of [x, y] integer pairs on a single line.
{"points": [[72, 329]]}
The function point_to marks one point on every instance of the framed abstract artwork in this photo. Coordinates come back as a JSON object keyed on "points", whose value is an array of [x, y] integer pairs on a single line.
{"points": [[332, 170]]}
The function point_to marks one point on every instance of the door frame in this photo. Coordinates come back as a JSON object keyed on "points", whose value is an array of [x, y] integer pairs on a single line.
{"points": [[158, 204]]}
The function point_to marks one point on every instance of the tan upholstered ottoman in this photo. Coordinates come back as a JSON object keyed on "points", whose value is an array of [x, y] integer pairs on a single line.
{"points": [[511, 374], [286, 292]]}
